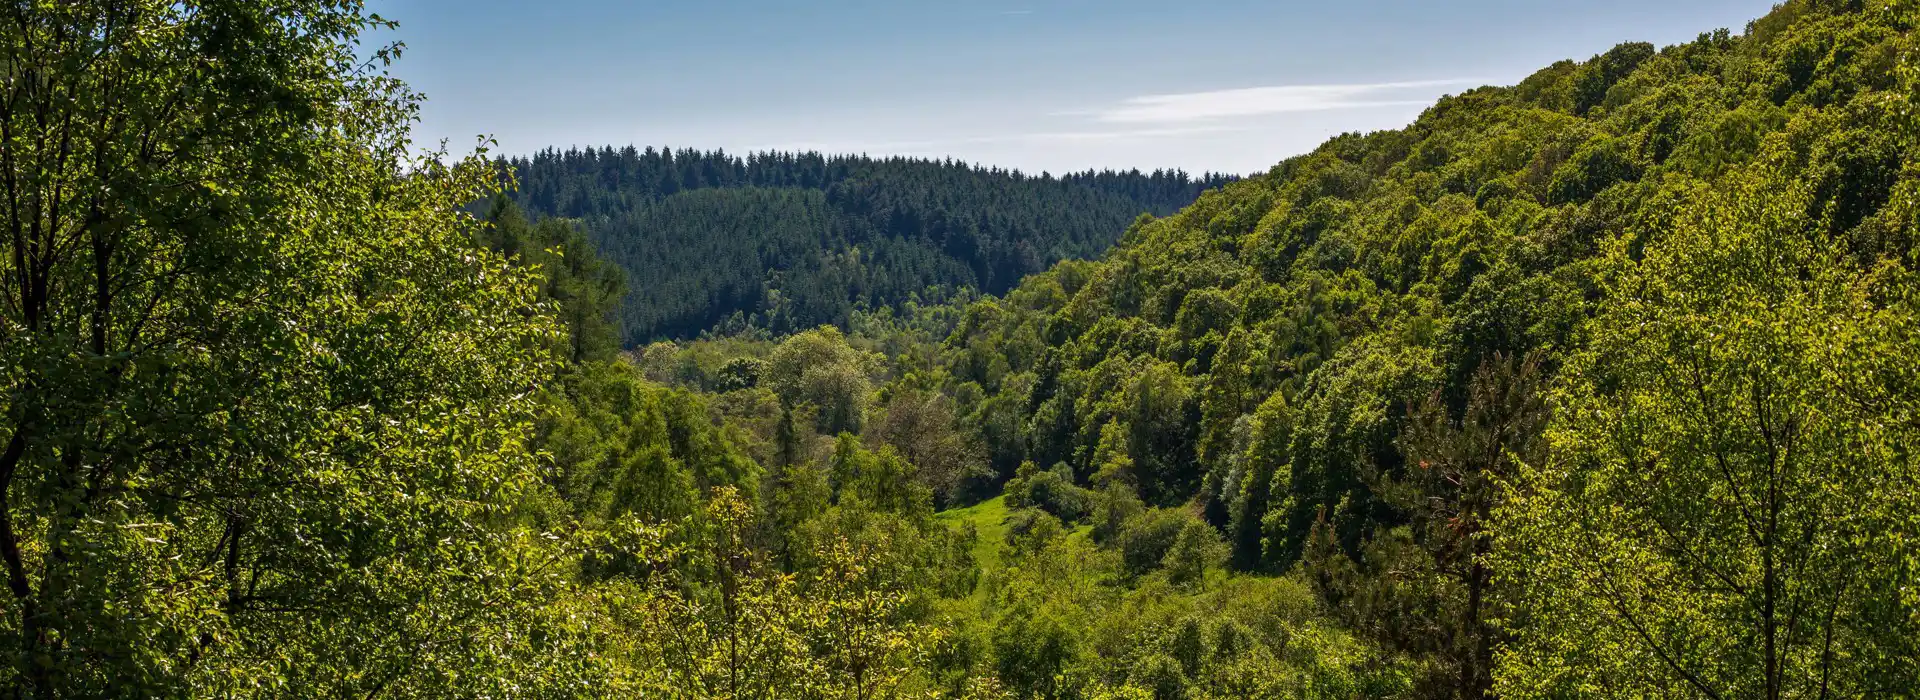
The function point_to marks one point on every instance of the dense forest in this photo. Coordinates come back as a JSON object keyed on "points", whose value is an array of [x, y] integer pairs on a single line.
{"points": [[787, 241], [1601, 385]]}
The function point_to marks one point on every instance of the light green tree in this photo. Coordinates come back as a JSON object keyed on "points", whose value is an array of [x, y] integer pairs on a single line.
{"points": [[834, 632], [262, 396], [819, 369], [1195, 550], [1728, 509]]}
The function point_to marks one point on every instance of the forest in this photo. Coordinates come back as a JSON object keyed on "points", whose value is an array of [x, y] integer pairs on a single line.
{"points": [[1601, 385], [784, 242]]}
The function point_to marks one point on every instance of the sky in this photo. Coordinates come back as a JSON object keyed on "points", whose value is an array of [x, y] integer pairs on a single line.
{"points": [[1039, 85]]}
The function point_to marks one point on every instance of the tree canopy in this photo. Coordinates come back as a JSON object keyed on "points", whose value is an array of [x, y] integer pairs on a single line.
{"points": [[788, 241], [262, 391], [1599, 385]]}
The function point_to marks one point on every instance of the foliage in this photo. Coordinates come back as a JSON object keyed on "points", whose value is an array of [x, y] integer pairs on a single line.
{"points": [[921, 426], [1727, 512], [838, 630], [620, 446], [584, 290], [818, 370], [265, 399], [789, 241], [1348, 364], [1052, 491], [1597, 385]]}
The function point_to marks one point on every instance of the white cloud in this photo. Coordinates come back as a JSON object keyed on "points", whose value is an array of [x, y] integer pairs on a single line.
{"points": [[1280, 99], [1038, 137], [1245, 130], [1114, 135]]}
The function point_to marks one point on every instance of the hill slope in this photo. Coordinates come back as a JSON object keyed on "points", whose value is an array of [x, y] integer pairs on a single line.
{"points": [[1623, 292], [1600, 385], [789, 241]]}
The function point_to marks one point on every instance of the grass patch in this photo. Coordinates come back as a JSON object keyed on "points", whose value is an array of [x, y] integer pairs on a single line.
{"points": [[989, 519]]}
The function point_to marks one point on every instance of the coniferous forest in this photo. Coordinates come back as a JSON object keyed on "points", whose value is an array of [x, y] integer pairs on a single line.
{"points": [[1601, 385], [785, 242]]}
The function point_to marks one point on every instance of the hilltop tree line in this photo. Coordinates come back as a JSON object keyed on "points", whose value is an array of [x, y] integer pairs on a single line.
{"points": [[1600, 385], [787, 241]]}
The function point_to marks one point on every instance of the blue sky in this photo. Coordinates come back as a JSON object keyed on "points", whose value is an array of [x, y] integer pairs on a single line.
{"points": [[1056, 85]]}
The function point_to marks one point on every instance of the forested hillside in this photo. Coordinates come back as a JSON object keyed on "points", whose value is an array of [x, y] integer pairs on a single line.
{"points": [[787, 241], [1599, 385], [1602, 385]]}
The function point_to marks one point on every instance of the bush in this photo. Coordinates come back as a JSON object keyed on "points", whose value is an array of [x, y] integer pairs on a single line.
{"points": [[1030, 530], [1197, 549], [739, 373], [1052, 491], [1595, 167], [1162, 676], [1032, 649], [1113, 506], [1145, 540]]}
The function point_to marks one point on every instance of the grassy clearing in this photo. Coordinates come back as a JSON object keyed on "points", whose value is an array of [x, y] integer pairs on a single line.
{"points": [[989, 518]]}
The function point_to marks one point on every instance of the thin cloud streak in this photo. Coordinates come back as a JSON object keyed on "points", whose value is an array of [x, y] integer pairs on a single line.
{"points": [[1035, 137], [1257, 101], [1108, 135]]}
